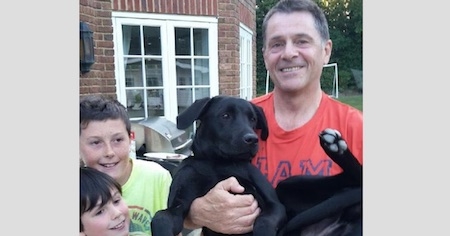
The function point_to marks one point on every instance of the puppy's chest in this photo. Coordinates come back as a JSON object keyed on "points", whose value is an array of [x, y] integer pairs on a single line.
{"points": [[224, 170]]}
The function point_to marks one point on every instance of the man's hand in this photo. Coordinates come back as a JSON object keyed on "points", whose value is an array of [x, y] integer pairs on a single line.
{"points": [[224, 210]]}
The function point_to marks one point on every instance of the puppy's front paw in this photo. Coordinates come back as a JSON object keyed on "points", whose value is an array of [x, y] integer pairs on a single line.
{"points": [[331, 139]]}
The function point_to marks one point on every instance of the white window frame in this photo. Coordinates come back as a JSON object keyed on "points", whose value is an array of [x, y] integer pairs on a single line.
{"points": [[167, 23], [246, 62]]}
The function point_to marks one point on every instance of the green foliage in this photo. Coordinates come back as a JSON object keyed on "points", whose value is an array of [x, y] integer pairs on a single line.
{"points": [[263, 6], [138, 98], [345, 23], [345, 81], [327, 80]]}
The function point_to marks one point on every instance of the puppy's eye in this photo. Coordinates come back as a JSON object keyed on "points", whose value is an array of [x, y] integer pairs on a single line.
{"points": [[226, 116]]}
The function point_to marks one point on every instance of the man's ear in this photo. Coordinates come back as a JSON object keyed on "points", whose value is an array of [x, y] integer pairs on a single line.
{"points": [[327, 51]]}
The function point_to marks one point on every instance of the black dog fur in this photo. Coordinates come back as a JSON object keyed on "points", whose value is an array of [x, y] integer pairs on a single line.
{"points": [[325, 205], [224, 144]]}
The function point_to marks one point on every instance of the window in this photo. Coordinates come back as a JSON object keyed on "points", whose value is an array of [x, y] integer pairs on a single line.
{"points": [[246, 68], [164, 62]]}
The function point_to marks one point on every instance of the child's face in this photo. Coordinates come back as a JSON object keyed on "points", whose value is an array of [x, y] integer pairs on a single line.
{"points": [[113, 219], [105, 146]]}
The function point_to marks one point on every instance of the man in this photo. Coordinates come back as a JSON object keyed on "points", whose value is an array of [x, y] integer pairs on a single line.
{"points": [[296, 45]]}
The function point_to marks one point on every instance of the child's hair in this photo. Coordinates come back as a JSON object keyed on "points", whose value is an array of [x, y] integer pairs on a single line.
{"points": [[95, 185], [100, 108]]}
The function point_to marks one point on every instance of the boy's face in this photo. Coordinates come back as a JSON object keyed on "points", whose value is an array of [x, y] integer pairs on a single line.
{"points": [[105, 146], [112, 219]]}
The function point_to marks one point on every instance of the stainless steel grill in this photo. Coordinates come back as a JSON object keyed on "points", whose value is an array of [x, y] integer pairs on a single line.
{"points": [[161, 135]]}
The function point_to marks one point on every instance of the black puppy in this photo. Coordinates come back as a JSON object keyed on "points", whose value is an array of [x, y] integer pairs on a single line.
{"points": [[224, 144], [325, 205]]}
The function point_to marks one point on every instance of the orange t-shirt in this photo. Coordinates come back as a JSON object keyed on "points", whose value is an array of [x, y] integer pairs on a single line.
{"points": [[298, 152]]}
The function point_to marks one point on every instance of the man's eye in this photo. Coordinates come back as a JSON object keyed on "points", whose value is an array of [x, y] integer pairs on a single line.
{"points": [[275, 45], [302, 41]]}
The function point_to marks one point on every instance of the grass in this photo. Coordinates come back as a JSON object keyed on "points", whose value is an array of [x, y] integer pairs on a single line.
{"points": [[354, 100]]}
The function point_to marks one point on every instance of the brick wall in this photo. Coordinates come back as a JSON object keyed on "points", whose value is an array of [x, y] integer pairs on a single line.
{"points": [[188, 7], [231, 13], [100, 80], [97, 13]]}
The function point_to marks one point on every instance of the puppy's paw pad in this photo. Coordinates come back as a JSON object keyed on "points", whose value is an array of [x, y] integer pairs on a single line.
{"points": [[333, 141]]}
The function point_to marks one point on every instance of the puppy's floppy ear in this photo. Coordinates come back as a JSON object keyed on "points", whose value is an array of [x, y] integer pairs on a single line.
{"points": [[262, 122], [188, 116]]}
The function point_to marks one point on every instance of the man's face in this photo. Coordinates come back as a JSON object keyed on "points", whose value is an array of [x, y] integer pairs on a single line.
{"points": [[294, 53], [105, 146]]}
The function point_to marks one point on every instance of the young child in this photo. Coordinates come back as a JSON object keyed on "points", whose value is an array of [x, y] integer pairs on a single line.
{"points": [[103, 212], [105, 141]]}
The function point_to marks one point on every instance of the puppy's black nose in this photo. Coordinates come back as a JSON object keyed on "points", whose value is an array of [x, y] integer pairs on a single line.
{"points": [[250, 138]]}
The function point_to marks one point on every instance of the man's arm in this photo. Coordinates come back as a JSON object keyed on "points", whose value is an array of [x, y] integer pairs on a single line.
{"points": [[223, 209]]}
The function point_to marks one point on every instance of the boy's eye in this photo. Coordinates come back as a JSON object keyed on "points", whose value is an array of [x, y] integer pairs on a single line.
{"points": [[118, 140], [117, 200], [99, 212], [95, 142]]}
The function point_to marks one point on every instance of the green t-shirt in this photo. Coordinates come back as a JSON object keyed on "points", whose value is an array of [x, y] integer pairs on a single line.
{"points": [[146, 192]]}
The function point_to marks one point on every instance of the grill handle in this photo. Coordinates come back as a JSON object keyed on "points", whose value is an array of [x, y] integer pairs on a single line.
{"points": [[189, 141]]}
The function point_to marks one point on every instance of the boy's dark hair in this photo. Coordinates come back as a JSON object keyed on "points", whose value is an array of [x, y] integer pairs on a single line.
{"points": [[95, 185], [291, 6], [100, 108]]}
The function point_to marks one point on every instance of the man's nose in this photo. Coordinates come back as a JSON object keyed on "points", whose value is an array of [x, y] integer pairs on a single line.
{"points": [[289, 51]]}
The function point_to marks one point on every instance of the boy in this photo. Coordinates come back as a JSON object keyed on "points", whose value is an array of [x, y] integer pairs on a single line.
{"points": [[103, 212], [105, 141]]}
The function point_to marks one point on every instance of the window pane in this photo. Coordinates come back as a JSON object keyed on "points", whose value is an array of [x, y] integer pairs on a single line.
{"points": [[201, 71], [201, 42], [155, 102], [133, 72], [184, 98], [183, 72], [135, 103], [153, 68], [152, 40], [201, 93], [245, 58], [182, 41], [131, 40]]}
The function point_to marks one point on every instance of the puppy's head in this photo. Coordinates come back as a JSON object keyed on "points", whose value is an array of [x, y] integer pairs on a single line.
{"points": [[227, 127]]}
